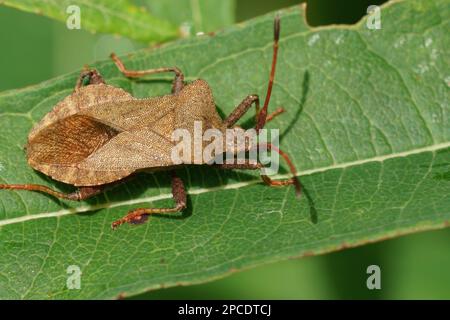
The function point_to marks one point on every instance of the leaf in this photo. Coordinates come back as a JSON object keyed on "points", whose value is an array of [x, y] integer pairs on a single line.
{"points": [[367, 125], [118, 17], [196, 15]]}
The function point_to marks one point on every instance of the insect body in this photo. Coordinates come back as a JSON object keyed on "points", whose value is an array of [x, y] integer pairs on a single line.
{"points": [[99, 135]]}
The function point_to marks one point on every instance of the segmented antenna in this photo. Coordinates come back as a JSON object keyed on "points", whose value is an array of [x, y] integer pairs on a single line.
{"points": [[263, 113], [262, 116]]}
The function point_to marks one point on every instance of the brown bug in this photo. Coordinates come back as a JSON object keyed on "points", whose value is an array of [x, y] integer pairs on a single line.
{"points": [[100, 134]]}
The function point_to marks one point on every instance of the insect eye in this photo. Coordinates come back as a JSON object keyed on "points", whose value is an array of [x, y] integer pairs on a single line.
{"points": [[86, 79]]}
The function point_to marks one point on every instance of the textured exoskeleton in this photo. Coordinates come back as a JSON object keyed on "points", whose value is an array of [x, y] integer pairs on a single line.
{"points": [[100, 134]]}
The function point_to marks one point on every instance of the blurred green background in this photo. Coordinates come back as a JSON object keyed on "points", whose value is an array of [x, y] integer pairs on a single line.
{"points": [[35, 49]]}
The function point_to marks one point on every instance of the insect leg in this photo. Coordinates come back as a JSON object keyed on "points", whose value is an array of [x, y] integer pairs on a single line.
{"points": [[294, 181], [255, 166], [78, 195], [177, 84], [140, 215], [243, 166], [274, 114], [244, 106], [261, 115], [89, 76], [265, 178]]}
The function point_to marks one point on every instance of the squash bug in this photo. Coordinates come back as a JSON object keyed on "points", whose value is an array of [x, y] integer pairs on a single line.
{"points": [[100, 134]]}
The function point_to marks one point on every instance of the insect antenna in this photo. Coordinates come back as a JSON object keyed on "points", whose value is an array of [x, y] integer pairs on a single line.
{"points": [[262, 115], [40, 188]]}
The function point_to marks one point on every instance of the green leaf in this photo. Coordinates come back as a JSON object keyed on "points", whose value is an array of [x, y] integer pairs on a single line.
{"points": [[118, 17], [367, 125], [195, 15]]}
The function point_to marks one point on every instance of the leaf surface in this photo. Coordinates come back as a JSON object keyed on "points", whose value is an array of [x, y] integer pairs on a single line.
{"points": [[367, 125]]}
